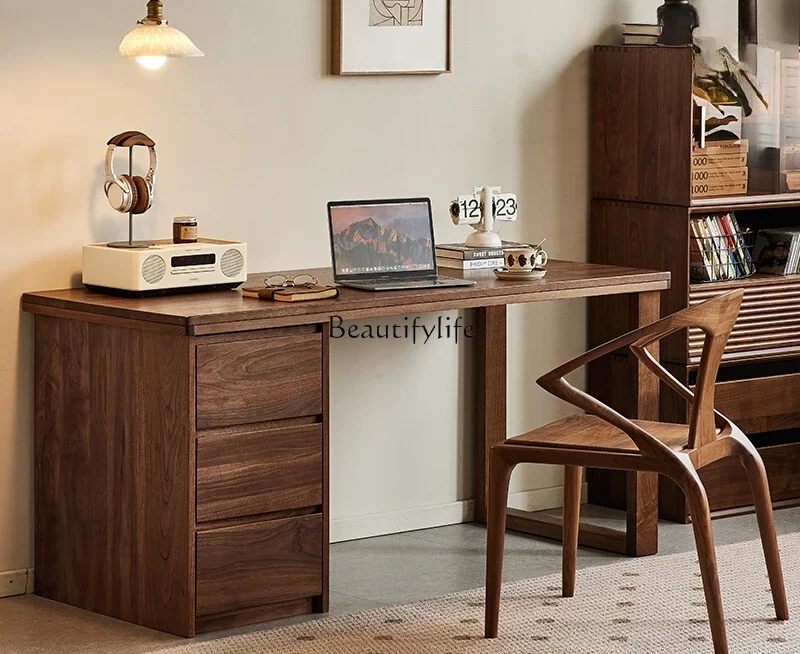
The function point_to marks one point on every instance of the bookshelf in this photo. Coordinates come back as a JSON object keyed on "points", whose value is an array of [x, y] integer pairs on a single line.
{"points": [[641, 216]]}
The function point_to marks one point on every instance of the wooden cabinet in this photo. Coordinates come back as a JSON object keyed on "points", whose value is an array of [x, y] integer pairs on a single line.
{"points": [[180, 480], [641, 211]]}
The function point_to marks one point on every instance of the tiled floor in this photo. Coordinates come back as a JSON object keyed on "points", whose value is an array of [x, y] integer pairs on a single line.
{"points": [[364, 574]]}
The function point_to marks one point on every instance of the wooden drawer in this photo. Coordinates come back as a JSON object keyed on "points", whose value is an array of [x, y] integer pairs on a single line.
{"points": [[260, 380], [259, 472], [256, 565], [761, 404]]}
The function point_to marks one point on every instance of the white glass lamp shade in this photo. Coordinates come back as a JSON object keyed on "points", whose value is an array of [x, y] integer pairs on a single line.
{"points": [[153, 43]]}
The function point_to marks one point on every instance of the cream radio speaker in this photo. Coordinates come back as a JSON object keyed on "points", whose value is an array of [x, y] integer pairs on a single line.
{"points": [[165, 267]]}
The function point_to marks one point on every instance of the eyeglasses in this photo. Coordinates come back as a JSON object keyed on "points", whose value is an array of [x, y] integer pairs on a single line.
{"points": [[282, 281]]}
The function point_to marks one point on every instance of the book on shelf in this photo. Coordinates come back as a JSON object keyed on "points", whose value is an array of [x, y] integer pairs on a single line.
{"points": [[718, 189], [721, 175], [462, 252], [470, 264], [641, 29], [777, 251], [719, 249], [702, 161], [638, 39], [713, 148]]}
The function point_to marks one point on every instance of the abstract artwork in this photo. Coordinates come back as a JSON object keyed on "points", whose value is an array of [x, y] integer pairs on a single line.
{"points": [[417, 39], [396, 13]]}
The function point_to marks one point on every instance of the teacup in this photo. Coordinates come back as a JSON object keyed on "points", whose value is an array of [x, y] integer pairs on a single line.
{"points": [[525, 259]]}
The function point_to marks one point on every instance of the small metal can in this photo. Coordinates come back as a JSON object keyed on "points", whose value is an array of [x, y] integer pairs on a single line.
{"points": [[184, 230]]}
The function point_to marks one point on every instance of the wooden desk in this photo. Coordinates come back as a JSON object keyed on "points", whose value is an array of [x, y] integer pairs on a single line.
{"points": [[181, 443]]}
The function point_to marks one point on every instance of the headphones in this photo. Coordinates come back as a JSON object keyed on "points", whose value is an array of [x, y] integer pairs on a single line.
{"points": [[130, 193]]}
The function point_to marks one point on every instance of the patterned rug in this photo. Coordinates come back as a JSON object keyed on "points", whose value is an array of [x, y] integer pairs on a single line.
{"points": [[650, 605]]}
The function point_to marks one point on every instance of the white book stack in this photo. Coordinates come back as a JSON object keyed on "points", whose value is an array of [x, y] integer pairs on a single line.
{"points": [[641, 34]]}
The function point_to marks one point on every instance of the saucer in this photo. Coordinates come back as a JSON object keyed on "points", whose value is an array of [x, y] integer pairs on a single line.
{"points": [[527, 275]]}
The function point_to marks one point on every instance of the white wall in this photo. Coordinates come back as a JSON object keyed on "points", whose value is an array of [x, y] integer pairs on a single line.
{"points": [[259, 115]]}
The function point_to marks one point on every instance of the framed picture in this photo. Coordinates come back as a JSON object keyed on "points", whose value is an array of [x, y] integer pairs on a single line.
{"points": [[392, 37]]}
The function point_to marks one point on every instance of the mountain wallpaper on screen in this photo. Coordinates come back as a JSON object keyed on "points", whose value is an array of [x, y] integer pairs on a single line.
{"points": [[366, 244]]}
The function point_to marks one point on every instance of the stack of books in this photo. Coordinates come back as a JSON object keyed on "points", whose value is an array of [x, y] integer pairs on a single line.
{"points": [[460, 257], [777, 251], [641, 34], [720, 249], [720, 169]]}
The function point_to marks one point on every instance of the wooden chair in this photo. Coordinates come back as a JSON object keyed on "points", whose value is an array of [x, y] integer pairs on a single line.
{"points": [[605, 439]]}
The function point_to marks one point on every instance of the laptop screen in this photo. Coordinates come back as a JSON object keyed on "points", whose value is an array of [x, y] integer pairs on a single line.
{"points": [[381, 238]]}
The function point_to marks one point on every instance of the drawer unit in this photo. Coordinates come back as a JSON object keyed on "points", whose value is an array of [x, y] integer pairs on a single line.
{"points": [[259, 472], [255, 565], [243, 382]]}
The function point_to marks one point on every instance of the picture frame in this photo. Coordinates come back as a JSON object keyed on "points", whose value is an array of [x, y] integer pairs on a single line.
{"points": [[392, 37]]}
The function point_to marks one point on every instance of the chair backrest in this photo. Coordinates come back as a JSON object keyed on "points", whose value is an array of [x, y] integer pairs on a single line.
{"points": [[715, 318]]}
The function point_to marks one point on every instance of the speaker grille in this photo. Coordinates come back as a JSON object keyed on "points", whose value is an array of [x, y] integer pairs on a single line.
{"points": [[232, 263], [153, 269]]}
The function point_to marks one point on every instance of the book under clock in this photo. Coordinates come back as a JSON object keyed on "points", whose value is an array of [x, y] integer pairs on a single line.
{"points": [[462, 252], [471, 264]]}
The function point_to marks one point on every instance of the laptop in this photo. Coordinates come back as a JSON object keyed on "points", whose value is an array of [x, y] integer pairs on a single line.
{"points": [[385, 245]]}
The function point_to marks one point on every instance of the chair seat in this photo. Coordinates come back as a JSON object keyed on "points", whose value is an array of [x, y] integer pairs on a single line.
{"points": [[585, 432]]}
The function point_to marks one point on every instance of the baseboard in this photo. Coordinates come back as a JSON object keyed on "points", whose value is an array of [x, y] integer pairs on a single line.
{"points": [[16, 582], [428, 517]]}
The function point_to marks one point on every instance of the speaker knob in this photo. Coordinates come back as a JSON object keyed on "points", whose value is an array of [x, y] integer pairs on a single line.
{"points": [[153, 269], [232, 263]]}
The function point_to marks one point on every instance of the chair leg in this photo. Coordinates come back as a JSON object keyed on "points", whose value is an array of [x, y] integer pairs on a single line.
{"points": [[497, 505], [759, 483], [573, 476], [707, 555]]}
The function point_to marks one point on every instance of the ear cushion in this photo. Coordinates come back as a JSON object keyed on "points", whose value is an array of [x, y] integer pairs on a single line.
{"points": [[141, 202], [122, 200]]}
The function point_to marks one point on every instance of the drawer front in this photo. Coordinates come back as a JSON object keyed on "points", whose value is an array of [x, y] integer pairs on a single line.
{"points": [[768, 323], [260, 472], [762, 404], [256, 565], [258, 381]]}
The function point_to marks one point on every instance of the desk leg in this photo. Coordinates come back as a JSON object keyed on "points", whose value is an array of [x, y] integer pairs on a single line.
{"points": [[642, 487], [641, 536], [491, 396]]}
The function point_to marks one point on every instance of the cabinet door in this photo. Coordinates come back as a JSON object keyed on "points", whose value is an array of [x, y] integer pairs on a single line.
{"points": [[260, 380], [259, 564]]}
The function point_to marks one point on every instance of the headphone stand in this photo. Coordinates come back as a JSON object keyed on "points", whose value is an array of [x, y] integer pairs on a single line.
{"points": [[130, 244]]}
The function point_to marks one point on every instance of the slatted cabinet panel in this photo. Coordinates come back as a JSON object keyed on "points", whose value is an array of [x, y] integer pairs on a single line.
{"points": [[768, 324]]}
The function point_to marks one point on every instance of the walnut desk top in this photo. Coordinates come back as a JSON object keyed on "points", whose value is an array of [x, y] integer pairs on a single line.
{"points": [[227, 311]]}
